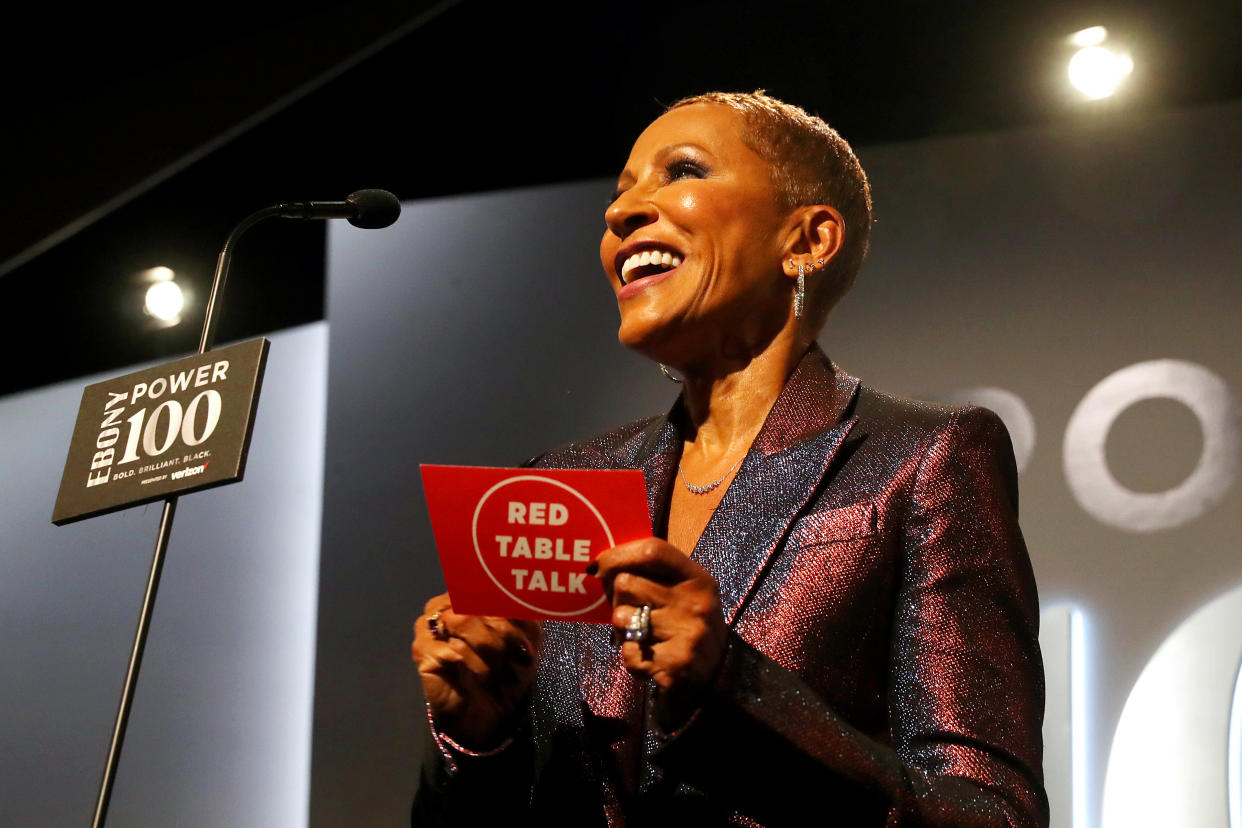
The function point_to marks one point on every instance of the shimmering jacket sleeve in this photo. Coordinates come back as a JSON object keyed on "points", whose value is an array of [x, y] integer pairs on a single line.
{"points": [[964, 685]]}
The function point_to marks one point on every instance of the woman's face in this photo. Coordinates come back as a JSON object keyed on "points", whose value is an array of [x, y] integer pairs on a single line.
{"points": [[694, 240]]}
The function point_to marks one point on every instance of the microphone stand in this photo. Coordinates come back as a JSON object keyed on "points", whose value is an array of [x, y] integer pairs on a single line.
{"points": [[165, 530]]}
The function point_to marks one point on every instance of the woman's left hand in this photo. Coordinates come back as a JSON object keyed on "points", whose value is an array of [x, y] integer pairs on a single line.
{"points": [[687, 630]]}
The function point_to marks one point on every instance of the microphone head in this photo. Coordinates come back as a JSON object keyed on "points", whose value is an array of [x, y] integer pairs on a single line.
{"points": [[373, 209]]}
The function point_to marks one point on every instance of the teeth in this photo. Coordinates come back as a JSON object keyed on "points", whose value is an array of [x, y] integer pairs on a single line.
{"points": [[650, 257]]}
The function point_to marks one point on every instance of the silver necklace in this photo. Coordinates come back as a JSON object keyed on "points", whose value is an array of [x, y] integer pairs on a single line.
{"points": [[701, 490]]}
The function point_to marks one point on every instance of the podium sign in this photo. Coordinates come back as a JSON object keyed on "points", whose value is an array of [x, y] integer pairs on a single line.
{"points": [[175, 428]]}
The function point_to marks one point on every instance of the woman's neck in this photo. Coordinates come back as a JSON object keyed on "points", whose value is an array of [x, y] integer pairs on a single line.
{"points": [[727, 404]]}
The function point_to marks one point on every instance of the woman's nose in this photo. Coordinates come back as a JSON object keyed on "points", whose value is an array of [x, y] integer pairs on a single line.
{"points": [[629, 212]]}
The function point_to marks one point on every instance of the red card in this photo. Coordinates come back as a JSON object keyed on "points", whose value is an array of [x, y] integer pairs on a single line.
{"points": [[515, 542]]}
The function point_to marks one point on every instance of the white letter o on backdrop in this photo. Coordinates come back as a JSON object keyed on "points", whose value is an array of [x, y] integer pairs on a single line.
{"points": [[1086, 467]]}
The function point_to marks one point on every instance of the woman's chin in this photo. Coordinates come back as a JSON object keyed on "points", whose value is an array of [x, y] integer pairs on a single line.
{"points": [[651, 340], [640, 341]]}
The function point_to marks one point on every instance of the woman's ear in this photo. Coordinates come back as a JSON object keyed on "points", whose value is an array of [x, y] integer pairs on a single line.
{"points": [[828, 229], [815, 237]]}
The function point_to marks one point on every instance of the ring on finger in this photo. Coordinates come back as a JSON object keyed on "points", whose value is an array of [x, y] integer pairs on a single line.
{"points": [[639, 628], [438, 629]]}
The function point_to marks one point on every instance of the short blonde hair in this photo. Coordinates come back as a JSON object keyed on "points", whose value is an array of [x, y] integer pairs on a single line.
{"points": [[811, 164]]}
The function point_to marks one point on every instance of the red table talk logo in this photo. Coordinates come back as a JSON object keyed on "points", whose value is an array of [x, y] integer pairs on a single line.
{"points": [[516, 542], [534, 537]]}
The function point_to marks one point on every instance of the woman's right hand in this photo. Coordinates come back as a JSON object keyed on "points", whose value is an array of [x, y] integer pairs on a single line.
{"points": [[476, 672]]}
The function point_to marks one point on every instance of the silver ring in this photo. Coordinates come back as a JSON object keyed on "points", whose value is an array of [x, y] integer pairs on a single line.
{"points": [[438, 630], [639, 628]]}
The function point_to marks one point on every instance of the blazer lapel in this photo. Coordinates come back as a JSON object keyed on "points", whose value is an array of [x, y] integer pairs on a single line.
{"points": [[658, 458], [786, 464]]}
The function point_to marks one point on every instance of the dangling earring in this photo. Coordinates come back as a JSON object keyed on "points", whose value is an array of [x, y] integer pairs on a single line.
{"points": [[669, 375], [800, 293]]}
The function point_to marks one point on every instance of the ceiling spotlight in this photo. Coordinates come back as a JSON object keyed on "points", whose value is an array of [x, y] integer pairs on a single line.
{"points": [[1097, 71], [164, 301]]}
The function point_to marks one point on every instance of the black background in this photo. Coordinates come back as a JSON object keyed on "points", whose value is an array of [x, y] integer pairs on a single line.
{"points": [[134, 139]]}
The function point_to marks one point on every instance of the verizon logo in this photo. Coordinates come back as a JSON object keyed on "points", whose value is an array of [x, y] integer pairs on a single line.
{"points": [[189, 471]]}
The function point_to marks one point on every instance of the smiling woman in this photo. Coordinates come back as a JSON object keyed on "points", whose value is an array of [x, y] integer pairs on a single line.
{"points": [[836, 614]]}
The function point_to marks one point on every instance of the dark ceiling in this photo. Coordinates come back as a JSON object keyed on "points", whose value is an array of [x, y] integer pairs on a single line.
{"points": [[138, 139]]}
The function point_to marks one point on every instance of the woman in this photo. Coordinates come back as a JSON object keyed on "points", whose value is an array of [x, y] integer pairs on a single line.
{"points": [[837, 619]]}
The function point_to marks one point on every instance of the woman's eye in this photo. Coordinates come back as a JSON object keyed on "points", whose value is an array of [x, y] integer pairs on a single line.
{"points": [[685, 168]]}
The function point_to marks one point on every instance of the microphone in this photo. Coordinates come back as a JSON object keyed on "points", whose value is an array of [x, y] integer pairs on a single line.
{"points": [[368, 209]]}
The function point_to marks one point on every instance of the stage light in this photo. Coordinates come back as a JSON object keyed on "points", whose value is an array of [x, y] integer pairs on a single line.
{"points": [[1097, 71], [164, 300]]}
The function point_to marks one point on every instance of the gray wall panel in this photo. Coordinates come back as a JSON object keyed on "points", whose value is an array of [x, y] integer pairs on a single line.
{"points": [[477, 330]]}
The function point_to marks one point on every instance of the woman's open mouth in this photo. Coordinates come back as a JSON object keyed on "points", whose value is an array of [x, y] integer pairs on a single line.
{"points": [[646, 267], [648, 263]]}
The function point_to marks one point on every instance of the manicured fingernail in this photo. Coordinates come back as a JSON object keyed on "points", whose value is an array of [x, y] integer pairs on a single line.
{"points": [[592, 568]]}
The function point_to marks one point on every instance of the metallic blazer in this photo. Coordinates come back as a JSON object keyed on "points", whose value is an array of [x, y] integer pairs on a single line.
{"points": [[883, 666]]}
